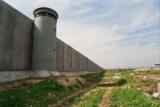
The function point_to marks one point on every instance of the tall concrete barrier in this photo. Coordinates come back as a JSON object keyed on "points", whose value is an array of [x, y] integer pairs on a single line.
{"points": [[29, 48], [67, 58], [78, 61], [70, 60], [60, 55], [74, 60], [17, 47], [15, 39]]}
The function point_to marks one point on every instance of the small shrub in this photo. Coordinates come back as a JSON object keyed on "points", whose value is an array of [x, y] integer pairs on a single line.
{"points": [[129, 79], [93, 77], [121, 82]]}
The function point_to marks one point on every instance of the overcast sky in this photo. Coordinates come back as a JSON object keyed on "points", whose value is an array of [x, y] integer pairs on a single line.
{"points": [[113, 33]]}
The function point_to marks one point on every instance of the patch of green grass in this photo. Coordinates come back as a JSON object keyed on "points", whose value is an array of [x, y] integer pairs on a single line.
{"points": [[93, 77], [129, 79], [109, 74], [91, 100], [131, 98], [38, 95]]}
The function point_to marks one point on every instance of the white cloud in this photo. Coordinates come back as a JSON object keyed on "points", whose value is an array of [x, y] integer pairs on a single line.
{"points": [[89, 39], [63, 5], [83, 11], [102, 45], [60, 5], [86, 36], [140, 19], [132, 56]]}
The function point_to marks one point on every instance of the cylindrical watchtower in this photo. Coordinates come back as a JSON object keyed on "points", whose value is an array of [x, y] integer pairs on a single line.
{"points": [[44, 39]]}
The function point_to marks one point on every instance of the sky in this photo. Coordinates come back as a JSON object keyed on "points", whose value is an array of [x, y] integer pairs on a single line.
{"points": [[113, 33]]}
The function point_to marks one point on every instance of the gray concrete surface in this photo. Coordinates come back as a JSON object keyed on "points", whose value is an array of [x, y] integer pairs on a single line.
{"points": [[74, 60], [78, 61], [44, 41], [60, 55], [67, 58], [70, 60], [50, 53], [15, 39], [9, 76]]}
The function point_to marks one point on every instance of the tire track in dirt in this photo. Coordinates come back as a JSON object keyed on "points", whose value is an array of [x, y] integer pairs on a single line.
{"points": [[105, 99]]}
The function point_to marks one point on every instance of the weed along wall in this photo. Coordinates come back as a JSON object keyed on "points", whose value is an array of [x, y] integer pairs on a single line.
{"points": [[30, 47]]}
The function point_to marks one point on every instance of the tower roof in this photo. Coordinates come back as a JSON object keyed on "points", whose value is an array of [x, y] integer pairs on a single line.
{"points": [[45, 11]]}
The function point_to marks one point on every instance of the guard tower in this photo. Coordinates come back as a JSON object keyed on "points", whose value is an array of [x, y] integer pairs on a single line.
{"points": [[44, 39]]}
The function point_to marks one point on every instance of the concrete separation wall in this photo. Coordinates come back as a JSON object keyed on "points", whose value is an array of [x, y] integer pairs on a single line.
{"points": [[16, 48], [70, 60], [15, 39]]}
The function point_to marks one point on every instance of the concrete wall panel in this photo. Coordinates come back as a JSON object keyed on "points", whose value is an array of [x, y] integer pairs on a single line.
{"points": [[67, 58], [78, 61], [74, 60], [60, 55], [89, 65], [15, 39], [81, 62], [70, 60], [22, 40], [86, 63]]}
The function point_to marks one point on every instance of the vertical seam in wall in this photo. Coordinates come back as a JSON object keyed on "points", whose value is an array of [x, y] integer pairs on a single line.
{"points": [[31, 45], [13, 41]]}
